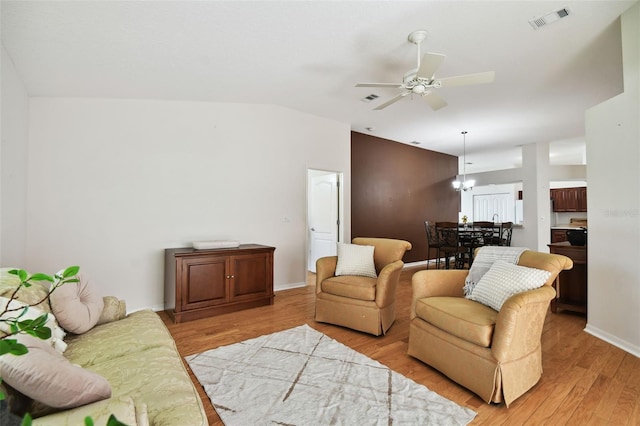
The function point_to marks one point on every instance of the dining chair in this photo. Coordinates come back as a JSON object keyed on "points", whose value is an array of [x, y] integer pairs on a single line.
{"points": [[487, 233], [449, 238], [506, 230], [432, 242]]}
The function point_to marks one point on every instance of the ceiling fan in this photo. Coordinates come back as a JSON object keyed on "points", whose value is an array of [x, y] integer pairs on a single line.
{"points": [[422, 80]]}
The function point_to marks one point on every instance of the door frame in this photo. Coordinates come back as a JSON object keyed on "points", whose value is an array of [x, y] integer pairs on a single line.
{"points": [[340, 194]]}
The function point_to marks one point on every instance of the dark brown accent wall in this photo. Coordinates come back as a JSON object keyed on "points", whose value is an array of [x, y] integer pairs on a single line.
{"points": [[396, 187]]}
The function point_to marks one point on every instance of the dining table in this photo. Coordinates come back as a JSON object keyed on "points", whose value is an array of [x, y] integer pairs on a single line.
{"points": [[474, 235]]}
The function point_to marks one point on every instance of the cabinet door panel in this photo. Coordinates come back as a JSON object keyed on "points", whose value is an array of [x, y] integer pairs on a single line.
{"points": [[559, 200], [571, 196], [582, 199], [205, 282], [252, 276], [558, 235]]}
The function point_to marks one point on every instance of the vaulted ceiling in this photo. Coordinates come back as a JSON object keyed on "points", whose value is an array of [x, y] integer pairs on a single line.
{"points": [[308, 56]]}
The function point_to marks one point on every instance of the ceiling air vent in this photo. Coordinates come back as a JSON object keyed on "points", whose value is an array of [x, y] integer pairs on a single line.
{"points": [[370, 98], [544, 20]]}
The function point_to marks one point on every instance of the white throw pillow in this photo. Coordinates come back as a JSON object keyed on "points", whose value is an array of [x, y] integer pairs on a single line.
{"points": [[355, 259], [503, 280]]}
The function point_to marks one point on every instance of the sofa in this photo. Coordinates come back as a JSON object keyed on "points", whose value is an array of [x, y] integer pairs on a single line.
{"points": [[130, 362], [357, 288], [492, 350]]}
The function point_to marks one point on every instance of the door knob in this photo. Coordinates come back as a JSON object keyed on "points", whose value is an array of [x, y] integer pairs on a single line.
{"points": [[313, 229]]}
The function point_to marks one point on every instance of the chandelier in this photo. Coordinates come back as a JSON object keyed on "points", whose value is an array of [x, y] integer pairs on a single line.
{"points": [[465, 184]]}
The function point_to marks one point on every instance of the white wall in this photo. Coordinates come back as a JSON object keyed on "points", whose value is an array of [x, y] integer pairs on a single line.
{"points": [[114, 182], [613, 153], [13, 165], [535, 189]]}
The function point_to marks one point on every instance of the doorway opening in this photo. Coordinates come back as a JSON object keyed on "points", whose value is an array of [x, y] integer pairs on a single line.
{"points": [[324, 214]]}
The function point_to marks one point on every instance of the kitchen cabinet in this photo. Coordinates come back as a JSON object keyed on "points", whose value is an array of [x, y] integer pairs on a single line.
{"points": [[569, 199], [571, 285], [202, 283], [582, 199]]}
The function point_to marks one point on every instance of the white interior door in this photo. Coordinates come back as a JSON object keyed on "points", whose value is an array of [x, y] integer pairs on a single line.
{"points": [[323, 217]]}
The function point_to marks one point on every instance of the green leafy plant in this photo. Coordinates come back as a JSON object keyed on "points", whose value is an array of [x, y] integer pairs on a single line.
{"points": [[17, 324], [34, 327], [111, 421]]}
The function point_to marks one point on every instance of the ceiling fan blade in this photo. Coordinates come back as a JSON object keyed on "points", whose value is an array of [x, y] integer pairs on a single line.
{"points": [[429, 65], [378, 85], [435, 101], [463, 80], [392, 100]]}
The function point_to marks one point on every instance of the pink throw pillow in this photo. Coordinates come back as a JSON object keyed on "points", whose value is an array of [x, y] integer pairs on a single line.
{"points": [[44, 375]]}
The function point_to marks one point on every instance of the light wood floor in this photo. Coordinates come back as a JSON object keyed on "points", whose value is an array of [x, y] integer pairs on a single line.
{"points": [[585, 381]]}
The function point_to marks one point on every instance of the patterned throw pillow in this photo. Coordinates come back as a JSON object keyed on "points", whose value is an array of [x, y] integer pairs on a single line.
{"points": [[355, 259], [27, 295], [503, 280]]}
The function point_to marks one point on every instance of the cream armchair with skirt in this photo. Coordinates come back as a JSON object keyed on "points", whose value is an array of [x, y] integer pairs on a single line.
{"points": [[495, 354], [359, 302]]}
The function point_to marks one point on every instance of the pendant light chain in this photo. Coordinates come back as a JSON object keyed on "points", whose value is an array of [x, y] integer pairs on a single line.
{"points": [[465, 184]]}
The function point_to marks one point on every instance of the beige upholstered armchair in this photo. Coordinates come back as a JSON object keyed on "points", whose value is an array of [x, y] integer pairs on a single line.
{"points": [[496, 354], [362, 303]]}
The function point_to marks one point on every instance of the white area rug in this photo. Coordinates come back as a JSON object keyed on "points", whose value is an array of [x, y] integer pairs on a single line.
{"points": [[302, 377]]}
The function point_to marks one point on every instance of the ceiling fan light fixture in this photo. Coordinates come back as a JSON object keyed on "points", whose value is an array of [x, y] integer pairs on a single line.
{"points": [[418, 36], [419, 80]]}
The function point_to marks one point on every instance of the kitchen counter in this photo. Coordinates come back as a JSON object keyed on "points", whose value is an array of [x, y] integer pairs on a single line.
{"points": [[567, 227]]}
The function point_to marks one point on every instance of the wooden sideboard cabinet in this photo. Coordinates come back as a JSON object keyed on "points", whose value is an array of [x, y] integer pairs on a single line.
{"points": [[202, 283], [571, 285]]}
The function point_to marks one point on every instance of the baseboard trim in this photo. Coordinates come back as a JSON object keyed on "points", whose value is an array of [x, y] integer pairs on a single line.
{"points": [[614, 340], [422, 263], [155, 308], [289, 286]]}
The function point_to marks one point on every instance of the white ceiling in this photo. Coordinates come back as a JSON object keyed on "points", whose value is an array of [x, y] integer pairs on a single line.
{"points": [[308, 55]]}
